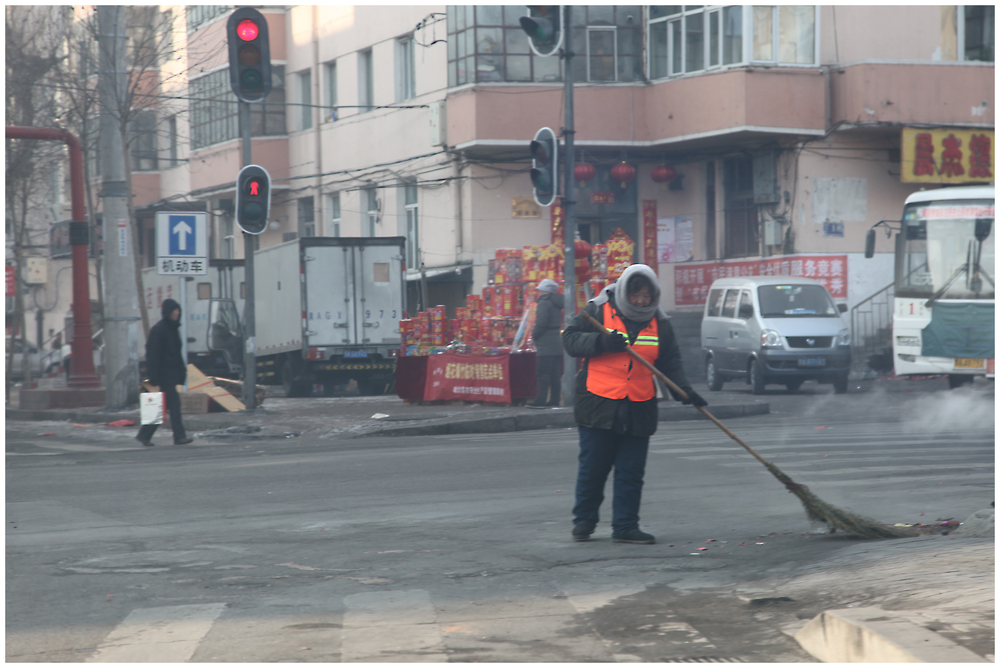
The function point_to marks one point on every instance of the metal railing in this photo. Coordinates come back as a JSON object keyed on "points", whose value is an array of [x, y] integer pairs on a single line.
{"points": [[871, 334]]}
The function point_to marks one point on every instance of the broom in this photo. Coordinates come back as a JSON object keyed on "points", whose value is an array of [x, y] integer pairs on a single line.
{"points": [[816, 508]]}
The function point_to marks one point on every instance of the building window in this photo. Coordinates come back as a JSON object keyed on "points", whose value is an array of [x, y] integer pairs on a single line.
{"points": [[305, 99], [366, 84], [978, 35], [307, 217], [168, 35], [172, 140], [611, 37], [369, 202], [334, 209], [601, 54], [198, 15], [487, 43], [406, 76], [142, 141], [412, 225], [785, 34], [330, 77], [742, 231], [215, 115]]}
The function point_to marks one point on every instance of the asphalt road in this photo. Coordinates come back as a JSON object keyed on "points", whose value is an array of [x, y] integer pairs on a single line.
{"points": [[457, 548]]}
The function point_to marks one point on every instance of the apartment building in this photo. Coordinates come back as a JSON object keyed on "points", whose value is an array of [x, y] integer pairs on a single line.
{"points": [[750, 134]]}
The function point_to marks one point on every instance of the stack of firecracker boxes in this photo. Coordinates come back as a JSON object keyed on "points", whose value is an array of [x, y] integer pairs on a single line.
{"points": [[488, 324]]}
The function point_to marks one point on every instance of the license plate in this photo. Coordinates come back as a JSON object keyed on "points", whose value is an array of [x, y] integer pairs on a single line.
{"points": [[355, 354], [969, 363], [812, 361]]}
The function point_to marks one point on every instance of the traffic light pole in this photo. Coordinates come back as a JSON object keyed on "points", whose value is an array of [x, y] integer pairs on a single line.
{"points": [[249, 312], [569, 219]]}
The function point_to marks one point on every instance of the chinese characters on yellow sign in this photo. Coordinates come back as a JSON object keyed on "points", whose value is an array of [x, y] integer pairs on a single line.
{"points": [[947, 156]]}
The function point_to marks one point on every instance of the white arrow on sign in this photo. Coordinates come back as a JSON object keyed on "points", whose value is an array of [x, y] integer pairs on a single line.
{"points": [[182, 229]]}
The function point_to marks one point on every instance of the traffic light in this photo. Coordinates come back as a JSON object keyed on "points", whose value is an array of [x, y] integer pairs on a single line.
{"points": [[249, 55], [253, 199], [543, 24], [544, 166]]}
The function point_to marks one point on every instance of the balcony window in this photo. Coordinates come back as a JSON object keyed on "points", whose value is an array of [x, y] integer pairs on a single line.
{"points": [[486, 43], [978, 33], [215, 115], [694, 38]]}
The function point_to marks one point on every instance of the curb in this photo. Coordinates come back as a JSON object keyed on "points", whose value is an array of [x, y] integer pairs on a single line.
{"points": [[191, 422], [873, 635], [559, 418]]}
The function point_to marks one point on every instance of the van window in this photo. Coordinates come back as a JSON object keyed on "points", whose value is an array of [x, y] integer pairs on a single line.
{"points": [[746, 305], [729, 306], [715, 302], [791, 301]]}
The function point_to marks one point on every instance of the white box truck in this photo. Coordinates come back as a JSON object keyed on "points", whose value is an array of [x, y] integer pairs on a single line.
{"points": [[212, 312], [327, 311]]}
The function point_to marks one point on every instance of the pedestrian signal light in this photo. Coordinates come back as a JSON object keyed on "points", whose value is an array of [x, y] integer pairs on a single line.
{"points": [[544, 166], [249, 55], [543, 25], [253, 199]]}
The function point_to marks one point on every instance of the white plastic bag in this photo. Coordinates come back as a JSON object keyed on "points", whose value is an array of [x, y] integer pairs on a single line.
{"points": [[152, 408]]}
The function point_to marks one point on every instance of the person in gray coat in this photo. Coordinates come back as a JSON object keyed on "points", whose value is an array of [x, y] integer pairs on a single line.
{"points": [[548, 344]]}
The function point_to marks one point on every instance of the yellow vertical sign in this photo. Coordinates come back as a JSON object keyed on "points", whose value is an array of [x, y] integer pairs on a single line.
{"points": [[949, 155]]}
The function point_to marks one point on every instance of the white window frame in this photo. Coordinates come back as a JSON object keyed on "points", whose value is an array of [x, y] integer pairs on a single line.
{"points": [[333, 206], [411, 213], [370, 206], [406, 74], [366, 81], [960, 35], [614, 59], [748, 19], [307, 228], [303, 81], [330, 83]]}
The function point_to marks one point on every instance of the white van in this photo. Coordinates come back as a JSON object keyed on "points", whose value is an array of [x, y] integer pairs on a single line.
{"points": [[774, 329]]}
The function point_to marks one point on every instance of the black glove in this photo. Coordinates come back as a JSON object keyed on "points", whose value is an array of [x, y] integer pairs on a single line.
{"points": [[693, 398], [612, 342]]}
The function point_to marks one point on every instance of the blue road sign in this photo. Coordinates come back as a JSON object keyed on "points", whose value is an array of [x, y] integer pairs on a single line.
{"points": [[181, 243], [182, 235]]}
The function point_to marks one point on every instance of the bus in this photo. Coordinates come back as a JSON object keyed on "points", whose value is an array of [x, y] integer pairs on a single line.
{"points": [[942, 320]]}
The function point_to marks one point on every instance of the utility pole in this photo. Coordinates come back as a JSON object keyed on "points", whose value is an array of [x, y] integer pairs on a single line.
{"points": [[569, 222], [121, 301]]}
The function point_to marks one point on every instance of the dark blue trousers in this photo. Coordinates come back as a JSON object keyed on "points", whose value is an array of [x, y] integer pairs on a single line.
{"points": [[173, 401], [600, 451]]}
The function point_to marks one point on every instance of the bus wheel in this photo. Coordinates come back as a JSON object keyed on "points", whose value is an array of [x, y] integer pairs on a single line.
{"points": [[958, 380]]}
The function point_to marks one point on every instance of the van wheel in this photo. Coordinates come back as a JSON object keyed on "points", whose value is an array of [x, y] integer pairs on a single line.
{"points": [[757, 382], [794, 385], [715, 381], [840, 384]]}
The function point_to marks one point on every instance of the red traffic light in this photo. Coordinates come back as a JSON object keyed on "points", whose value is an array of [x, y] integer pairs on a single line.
{"points": [[247, 30], [253, 187]]}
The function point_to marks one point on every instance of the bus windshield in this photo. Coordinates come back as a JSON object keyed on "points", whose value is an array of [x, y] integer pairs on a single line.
{"points": [[947, 250]]}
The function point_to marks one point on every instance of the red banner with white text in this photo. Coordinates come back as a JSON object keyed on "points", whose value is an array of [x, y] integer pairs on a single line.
{"points": [[468, 377], [692, 279]]}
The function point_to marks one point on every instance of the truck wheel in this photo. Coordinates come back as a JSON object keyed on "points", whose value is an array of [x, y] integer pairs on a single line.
{"points": [[840, 384], [715, 381], [757, 382], [289, 379], [958, 380]]}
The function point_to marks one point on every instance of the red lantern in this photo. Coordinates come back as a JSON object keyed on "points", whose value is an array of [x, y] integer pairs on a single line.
{"points": [[663, 174], [583, 172], [581, 248], [582, 268], [623, 172]]}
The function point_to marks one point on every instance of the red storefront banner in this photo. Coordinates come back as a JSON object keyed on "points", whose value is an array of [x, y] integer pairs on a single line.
{"points": [[468, 377], [649, 235], [11, 282], [692, 279]]}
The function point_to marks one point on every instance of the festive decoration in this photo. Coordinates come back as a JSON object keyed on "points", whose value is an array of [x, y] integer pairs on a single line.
{"points": [[663, 174], [649, 234], [583, 172], [623, 172], [582, 268], [581, 248], [621, 250]]}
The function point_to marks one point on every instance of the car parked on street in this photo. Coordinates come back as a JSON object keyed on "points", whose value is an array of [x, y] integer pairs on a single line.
{"points": [[40, 362], [774, 329]]}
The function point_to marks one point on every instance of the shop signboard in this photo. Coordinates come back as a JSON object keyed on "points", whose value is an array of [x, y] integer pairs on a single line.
{"points": [[947, 156]]}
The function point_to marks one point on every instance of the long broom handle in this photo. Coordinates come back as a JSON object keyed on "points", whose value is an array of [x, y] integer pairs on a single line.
{"points": [[673, 386]]}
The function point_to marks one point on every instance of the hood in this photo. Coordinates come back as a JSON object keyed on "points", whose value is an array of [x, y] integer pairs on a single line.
{"points": [[169, 305]]}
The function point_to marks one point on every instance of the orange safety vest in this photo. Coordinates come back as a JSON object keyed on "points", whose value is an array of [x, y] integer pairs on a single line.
{"points": [[617, 375]]}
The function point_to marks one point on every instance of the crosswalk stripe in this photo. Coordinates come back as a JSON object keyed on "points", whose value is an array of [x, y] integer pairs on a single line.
{"points": [[390, 625], [158, 635]]}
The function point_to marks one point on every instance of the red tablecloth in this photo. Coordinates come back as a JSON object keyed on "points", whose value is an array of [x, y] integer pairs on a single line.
{"points": [[411, 374]]}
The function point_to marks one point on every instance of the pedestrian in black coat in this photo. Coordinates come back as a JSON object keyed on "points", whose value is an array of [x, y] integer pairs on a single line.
{"points": [[166, 369], [548, 347]]}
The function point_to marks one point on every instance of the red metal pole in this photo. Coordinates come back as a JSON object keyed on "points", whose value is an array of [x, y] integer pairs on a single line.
{"points": [[81, 374]]}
